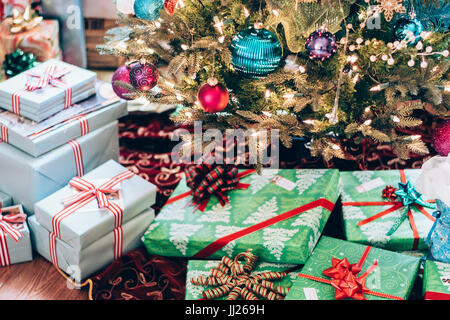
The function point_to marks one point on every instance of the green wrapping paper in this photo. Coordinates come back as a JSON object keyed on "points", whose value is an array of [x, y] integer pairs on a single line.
{"points": [[367, 186], [394, 275], [179, 231], [198, 268], [436, 280]]}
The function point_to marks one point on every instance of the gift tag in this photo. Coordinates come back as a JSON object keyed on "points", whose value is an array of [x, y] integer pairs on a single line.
{"points": [[446, 280], [370, 185], [283, 183], [311, 293]]}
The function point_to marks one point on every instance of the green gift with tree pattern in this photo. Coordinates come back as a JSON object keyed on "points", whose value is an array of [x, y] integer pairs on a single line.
{"points": [[280, 216], [436, 280], [338, 269], [383, 209]]}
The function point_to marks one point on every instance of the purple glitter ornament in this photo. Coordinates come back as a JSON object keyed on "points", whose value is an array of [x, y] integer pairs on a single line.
{"points": [[144, 76], [123, 75], [321, 45]]}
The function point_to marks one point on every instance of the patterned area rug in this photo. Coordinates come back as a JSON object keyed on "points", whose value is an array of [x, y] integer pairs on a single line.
{"points": [[145, 149]]}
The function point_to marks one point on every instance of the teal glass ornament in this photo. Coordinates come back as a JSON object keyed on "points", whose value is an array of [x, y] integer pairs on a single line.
{"points": [[434, 16], [256, 52], [409, 30], [148, 9]]}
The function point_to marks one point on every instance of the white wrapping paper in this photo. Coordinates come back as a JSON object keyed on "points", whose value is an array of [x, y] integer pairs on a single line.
{"points": [[434, 182]]}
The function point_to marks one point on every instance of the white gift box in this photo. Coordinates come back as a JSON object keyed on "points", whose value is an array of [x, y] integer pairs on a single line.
{"points": [[46, 89]]}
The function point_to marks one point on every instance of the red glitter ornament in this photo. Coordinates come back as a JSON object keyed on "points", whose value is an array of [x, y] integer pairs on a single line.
{"points": [[121, 75], [213, 96], [389, 193], [441, 138], [170, 6]]}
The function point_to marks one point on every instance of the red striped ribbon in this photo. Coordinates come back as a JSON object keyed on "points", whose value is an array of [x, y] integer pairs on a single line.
{"points": [[78, 157], [52, 248], [87, 192], [4, 133], [84, 124], [15, 102], [118, 240], [67, 98], [4, 252], [222, 242], [365, 274], [6, 228], [394, 207]]}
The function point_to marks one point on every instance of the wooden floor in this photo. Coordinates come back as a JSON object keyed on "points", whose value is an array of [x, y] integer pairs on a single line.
{"points": [[36, 280]]}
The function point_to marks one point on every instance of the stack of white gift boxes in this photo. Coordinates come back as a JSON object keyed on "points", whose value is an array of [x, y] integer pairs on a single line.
{"points": [[59, 124]]}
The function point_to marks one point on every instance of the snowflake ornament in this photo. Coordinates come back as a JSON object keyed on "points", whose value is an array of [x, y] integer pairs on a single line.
{"points": [[234, 279], [388, 7]]}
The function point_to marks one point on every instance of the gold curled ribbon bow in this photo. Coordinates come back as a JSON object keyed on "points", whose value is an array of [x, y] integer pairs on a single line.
{"points": [[235, 279], [20, 22]]}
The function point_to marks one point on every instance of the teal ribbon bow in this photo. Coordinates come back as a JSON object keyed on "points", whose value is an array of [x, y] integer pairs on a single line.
{"points": [[410, 196]]}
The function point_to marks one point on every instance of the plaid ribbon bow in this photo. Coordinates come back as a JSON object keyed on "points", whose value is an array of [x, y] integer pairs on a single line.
{"points": [[51, 76], [209, 178], [6, 224]]}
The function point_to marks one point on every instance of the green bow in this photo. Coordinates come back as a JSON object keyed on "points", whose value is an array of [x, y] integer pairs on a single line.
{"points": [[409, 196]]}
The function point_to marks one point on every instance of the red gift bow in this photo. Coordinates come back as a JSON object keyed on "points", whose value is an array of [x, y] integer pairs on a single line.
{"points": [[87, 193], [87, 190], [395, 206], [345, 281], [7, 228], [50, 76], [6, 224]]}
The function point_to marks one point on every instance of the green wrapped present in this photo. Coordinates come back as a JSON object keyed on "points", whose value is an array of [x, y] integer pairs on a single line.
{"points": [[383, 209], [436, 280], [339, 269], [262, 280], [280, 217]]}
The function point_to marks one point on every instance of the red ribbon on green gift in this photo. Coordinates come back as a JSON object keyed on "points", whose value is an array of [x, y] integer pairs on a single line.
{"points": [[395, 206], [431, 295], [223, 241], [345, 280]]}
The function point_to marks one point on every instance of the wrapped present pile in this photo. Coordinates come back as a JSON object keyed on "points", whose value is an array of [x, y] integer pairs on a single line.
{"points": [[257, 236], [247, 235], [102, 214], [59, 147]]}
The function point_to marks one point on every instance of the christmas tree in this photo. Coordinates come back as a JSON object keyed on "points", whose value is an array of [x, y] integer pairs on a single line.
{"points": [[323, 70]]}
